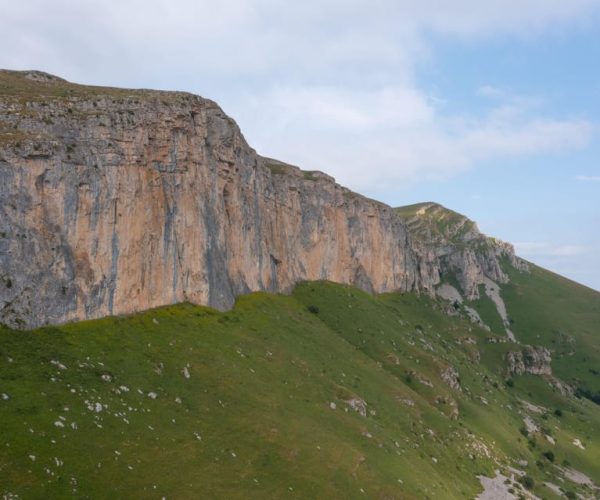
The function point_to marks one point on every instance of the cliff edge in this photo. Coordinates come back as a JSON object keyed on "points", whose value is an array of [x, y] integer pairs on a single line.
{"points": [[114, 201]]}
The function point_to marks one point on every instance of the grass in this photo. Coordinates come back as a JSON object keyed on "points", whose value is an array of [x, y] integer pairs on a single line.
{"points": [[255, 418], [562, 315], [16, 87], [430, 222], [488, 312]]}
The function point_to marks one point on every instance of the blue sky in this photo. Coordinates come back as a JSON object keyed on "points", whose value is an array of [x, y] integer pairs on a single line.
{"points": [[491, 108]]}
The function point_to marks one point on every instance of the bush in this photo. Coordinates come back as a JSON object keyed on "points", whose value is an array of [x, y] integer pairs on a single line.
{"points": [[527, 481], [583, 392], [510, 382], [313, 309], [558, 412], [549, 455]]}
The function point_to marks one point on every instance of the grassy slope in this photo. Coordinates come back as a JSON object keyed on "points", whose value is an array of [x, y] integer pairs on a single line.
{"points": [[562, 315], [262, 378], [429, 221]]}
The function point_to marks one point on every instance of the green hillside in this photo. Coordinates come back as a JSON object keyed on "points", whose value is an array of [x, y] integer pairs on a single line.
{"points": [[329, 392]]}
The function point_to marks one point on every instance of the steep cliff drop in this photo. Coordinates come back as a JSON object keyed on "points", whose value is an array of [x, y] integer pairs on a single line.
{"points": [[114, 201]]}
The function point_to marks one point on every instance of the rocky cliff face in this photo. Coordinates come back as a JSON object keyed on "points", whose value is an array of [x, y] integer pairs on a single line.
{"points": [[451, 248], [113, 201]]}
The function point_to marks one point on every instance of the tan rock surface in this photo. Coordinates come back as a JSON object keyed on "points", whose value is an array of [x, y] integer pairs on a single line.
{"points": [[115, 201]]}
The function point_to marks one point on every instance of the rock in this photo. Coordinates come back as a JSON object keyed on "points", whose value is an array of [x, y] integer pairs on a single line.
{"points": [[152, 395], [530, 425], [451, 377], [58, 364], [358, 405], [115, 201], [332, 405], [534, 360], [150, 198], [449, 244], [186, 372]]}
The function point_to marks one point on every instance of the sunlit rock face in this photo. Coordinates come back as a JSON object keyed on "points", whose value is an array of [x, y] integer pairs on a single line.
{"points": [[113, 201]]}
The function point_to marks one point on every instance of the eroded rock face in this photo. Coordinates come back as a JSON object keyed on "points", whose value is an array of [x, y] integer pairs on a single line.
{"points": [[114, 201], [534, 360], [451, 377], [450, 246]]}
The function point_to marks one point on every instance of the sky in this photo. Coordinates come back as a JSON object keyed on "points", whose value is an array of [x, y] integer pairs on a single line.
{"points": [[490, 108]]}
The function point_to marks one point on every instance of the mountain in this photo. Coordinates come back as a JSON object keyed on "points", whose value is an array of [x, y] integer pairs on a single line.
{"points": [[383, 352], [114, 201]]}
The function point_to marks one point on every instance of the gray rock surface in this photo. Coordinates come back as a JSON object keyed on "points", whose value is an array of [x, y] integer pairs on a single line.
{"points": [[114, 201], [534, 360]]}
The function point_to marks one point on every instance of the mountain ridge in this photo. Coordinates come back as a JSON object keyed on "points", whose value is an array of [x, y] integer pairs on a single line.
{"points": [[118, 200]]}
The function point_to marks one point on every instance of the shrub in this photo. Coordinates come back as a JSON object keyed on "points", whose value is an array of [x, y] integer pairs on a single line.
{"points": [[313, 309], [549, 455], [510, 382], [558, 412], [527, 481]]}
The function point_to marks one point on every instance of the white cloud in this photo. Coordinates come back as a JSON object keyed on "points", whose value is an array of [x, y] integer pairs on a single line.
{"points": [[588, 178], [490, 91], [374, 139], [325, 84]]}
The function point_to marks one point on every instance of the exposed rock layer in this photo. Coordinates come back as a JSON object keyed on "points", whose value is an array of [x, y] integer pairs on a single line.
{"points": [[113, 201], [451, 247], [534, 360]]}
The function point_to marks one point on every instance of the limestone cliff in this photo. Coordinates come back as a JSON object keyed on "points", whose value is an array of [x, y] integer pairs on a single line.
{"points": [[113, 201], [451, 247]]}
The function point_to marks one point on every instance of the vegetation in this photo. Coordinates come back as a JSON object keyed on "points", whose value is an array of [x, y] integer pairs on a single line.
{"points": [[185, 401], [431, 222], [527, 481], [562, 315]]}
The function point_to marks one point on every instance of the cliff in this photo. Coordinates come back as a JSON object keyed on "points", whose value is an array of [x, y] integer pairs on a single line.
{"points": [[450, 245], [114, 201]]}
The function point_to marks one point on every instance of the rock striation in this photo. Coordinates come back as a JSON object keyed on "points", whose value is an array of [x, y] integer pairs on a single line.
{"points": [[450, 248], [534, 360], [114, 201]]}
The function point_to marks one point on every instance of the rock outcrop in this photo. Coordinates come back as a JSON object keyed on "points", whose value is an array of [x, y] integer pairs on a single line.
{"points": [[534, 360], [450, 247], [114, 201]]}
